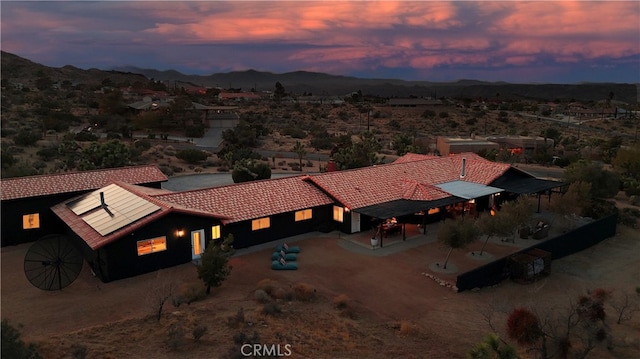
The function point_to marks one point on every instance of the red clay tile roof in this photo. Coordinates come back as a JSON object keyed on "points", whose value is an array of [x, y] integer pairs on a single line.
{"points": [[252, 200], [368, 186], [410, 157], [95, 240], [43, 185]]}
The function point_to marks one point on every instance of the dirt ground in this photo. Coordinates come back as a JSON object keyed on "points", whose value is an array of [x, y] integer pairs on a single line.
{"points": [[394, 309]]}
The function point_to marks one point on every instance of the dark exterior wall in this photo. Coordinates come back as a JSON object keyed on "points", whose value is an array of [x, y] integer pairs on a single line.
{"points": [[282, 225], [13, 210], [120, 259]]}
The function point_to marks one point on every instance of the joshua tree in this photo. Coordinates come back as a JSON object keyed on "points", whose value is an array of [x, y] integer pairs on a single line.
{"points": [[300, 150]]}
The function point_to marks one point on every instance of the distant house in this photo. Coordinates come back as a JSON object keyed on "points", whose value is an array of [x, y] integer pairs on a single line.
{"points": [[452, 145], [125, 230], [25, 201], [238, 96]]}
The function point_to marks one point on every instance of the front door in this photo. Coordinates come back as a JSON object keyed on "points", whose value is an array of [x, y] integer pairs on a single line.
{"points": [[355, 222], [197, 243]]}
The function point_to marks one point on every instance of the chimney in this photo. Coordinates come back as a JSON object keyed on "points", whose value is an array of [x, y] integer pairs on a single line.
{"points": [[102, 203], [464, 168]]}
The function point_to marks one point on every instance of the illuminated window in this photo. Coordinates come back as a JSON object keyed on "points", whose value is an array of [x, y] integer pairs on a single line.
{"points": [[196, 238], [433, 210], [215, 232], [153, 245], [303, 215], [338, 214], [31, 221], [260, 223]]}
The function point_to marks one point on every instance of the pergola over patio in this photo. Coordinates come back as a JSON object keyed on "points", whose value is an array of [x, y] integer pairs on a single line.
{"points": [[518, 182]]}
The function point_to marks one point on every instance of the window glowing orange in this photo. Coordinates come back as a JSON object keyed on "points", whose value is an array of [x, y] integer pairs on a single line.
{"points": [[31, 221]]}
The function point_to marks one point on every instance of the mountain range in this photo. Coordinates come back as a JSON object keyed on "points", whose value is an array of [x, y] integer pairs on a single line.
{"points": [[299, 82]]}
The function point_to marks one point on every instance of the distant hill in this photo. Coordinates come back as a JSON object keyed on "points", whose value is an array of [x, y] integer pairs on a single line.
{"points": [[320, 84], [18, 69]]}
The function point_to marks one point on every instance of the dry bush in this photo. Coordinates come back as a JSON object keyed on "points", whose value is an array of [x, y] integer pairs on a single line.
{"points": [[261, 296], [304, 292], [341, 301], [271, 308], [175, 335], [406, 327], [199, 331], [348, 312], [268, 285], [236, 319], [281, 293]]}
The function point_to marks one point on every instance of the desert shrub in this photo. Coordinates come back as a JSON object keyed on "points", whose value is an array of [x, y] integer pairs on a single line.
{"points": [[113, 136], [443, 114], [523, 326], [199, 331], [85, 136], [341, 301], [629, 217], [236, 319], [175, 336], [192, 156], [268, 285], [48, 153], [194, 293], [26, 137], [406, 327], [12, 346], [348, 312], [143, 144], [78, 351], [271, 308], [242, 338], [471, 121], [261, 296], [304, 292], [281, 293]]}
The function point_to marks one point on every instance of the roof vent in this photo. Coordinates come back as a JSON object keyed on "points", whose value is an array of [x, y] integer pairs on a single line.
{"points": [[464, 168]]}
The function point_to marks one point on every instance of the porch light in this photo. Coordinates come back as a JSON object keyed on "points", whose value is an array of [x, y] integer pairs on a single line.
{"points": [[492, 212], [180, 233], [347, 209]]}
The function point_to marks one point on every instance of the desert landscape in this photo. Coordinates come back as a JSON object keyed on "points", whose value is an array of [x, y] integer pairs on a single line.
{"points": [[345, 301]]}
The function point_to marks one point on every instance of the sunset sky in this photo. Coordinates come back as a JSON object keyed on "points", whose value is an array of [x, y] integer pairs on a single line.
{"points": [[513, 41]]}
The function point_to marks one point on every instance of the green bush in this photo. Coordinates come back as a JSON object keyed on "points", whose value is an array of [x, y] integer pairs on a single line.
{"points": [[192, 156], [13, 347], [26, 137]]}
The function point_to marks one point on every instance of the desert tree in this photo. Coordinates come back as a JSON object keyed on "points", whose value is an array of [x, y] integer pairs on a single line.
{"points": [[625, 305], [299, 150], [512, 215], [493, 225], [159, 292], [456, 234], [214, 267], [604, 183]]}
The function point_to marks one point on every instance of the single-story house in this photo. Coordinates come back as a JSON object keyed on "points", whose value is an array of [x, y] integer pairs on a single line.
{"points": [[125, 230], [25, 201]]}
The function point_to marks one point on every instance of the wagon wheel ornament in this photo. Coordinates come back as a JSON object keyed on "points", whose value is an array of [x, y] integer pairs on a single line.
{"points": [[52, 263]]}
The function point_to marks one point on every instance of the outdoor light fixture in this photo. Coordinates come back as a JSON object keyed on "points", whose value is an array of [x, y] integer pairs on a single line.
{"points": [[492, 212], [180, 232]]}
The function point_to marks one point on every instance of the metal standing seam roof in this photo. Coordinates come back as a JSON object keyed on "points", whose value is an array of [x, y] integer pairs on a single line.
{"points": [[51, 184], [468, 190]]}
